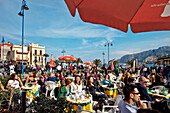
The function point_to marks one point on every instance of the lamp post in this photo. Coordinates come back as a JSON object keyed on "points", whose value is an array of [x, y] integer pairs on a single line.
{"points": [[108, 43], [3, 51], [63, 51], [103, 57], [21, 13]]}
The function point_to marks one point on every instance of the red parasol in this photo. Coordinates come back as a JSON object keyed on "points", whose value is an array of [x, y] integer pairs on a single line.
{"points": [[52, 64], [89, 63], [67, 58], [142, 15]]}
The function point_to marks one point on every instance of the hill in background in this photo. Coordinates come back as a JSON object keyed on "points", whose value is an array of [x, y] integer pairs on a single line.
{"points": [[146, 56]]}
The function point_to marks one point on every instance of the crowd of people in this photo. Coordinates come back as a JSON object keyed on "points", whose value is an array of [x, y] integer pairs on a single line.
{"points": [[92, 78]]}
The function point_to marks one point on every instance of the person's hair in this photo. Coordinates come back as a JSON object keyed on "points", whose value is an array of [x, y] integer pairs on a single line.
{"points": [[42, 72], [130, 79], [141, 78], [34, 73], [12, 76], [88, 79], [75, 82], [68, 81], [100, 76], [127, 90], [108, 76]]}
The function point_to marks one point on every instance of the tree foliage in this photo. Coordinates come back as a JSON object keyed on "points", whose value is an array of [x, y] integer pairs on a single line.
{"points": [[97, 62]]}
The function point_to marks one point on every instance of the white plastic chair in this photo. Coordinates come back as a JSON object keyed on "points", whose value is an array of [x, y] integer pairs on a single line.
{"points": [[115, 106], [50, 86]]}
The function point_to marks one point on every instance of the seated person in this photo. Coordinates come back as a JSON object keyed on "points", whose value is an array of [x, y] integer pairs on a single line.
{"points": [[66, 89], [94, 90], [157, 81], [57, 75], [43, 79], [99, 82], [131, 80], [106, 80], [132, 95], [142, 89], [1, 86], [32, 78], [76, 85], [52, 77], [14, 81]]}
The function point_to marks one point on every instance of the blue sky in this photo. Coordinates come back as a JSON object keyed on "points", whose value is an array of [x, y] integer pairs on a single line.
{"points": [[49, 23]]}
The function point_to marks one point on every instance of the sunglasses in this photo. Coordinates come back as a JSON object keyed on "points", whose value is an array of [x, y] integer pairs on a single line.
{"points": [[145, 82], [136, 93]]}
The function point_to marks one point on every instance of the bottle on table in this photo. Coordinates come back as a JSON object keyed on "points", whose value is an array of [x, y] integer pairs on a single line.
{"points": [[164, 91], [87, 92]]}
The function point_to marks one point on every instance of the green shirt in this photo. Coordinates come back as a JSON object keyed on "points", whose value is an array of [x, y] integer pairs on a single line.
{"points": [[63, 92]]}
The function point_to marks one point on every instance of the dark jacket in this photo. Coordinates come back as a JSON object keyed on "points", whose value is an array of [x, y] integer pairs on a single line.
{"points": [[143, 92], [93, 90]]}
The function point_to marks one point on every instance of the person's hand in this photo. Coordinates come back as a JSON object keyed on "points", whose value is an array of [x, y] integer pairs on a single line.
{"points": [[141, 104], [97, 92], [18, 78]]}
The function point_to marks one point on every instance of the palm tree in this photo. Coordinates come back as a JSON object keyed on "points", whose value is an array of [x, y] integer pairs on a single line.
{"points": [[46, 55], [130, 62], [97, 62], [78, 61], [56, 62], [115, 62]]}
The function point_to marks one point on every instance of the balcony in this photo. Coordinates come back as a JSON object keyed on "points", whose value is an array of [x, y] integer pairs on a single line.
{"points": [[18, 52], [38, 54], [20, 59]]}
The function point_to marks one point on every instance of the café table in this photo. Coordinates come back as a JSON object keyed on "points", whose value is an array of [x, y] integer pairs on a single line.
{"points": [[113, 92], [31, 91], [28, 93], [159, 96], [85, 104]]}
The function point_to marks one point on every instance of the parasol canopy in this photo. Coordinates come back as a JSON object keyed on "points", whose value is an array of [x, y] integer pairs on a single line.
{"points": [[67, 58], [52, 64], [142, 15], [89, 63]]}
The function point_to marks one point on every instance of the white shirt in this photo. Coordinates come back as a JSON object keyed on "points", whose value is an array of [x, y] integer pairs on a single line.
{"points": [[14, 83], [58, 67], [76, 87]]}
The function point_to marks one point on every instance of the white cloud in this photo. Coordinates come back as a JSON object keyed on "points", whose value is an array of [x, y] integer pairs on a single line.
{"points": [[118, 54], [84, 31], [84, 41]]}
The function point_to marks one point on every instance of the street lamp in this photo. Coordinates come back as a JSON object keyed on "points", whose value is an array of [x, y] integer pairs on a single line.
{"points": [[103, 57], [63, 51], [21, 13], [108, 43], [3, 51]]}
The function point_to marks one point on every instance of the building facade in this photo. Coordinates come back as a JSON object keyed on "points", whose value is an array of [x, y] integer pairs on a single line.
{"points": [[165, 60], [5, 51], [16, 54], [37, 54]]}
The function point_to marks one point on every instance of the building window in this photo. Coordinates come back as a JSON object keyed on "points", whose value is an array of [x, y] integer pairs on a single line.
{"points": [[35, 52], [39, 59], [40, 52], [42, 59]]}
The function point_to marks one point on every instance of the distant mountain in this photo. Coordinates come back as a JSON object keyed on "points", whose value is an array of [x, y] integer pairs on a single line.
{"points": [[143, 56]]}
